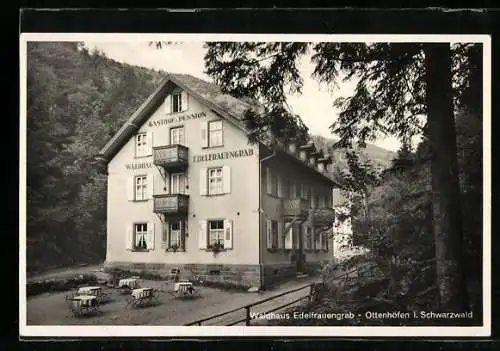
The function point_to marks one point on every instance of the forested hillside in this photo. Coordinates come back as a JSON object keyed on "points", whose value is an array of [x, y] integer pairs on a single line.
{"points": [[76, 100]]}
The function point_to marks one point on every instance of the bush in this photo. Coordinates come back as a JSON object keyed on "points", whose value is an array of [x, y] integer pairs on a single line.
{"points": [[59, 284]]}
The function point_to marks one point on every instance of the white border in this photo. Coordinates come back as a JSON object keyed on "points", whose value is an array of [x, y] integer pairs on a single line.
{"points": [[195, 331]]}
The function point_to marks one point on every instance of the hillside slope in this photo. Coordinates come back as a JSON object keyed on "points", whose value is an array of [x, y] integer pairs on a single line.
{"points": [[76, 100]]}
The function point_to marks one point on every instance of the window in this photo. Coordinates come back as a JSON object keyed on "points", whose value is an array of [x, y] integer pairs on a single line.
{"points": [[177, 102], [215, 133], [274, 184], [322, 201], [177, 183], [303, 191], [177, 136], [141, 144], [176, 237], [215, 178], [216, 233], [141, 236], [292, 189], [324, 242], [141, 188]]}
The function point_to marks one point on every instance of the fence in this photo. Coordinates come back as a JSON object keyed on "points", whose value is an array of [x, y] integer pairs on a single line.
{"points": [[313, 294], [248, 307]]}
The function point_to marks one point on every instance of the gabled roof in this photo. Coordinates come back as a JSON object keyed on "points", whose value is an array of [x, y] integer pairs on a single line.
{"points": [[210, 95]]}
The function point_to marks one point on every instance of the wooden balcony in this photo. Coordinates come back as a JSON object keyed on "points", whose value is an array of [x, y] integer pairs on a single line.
{"points": [[171, 157], [323, 216], [295, 208], [171, 204]]}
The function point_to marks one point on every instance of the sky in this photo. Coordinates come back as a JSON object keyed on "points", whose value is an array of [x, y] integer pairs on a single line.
{"points": [[314, 105]]}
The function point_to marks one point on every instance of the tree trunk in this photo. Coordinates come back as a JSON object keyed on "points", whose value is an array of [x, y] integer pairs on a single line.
{"points": [[445, 185]]}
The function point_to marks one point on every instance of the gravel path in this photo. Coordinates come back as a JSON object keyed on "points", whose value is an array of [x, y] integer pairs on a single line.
{"points": [[51, 309]]}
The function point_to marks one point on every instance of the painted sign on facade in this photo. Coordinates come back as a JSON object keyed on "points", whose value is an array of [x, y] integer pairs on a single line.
{"points": [[177, 119], [224, 155]]}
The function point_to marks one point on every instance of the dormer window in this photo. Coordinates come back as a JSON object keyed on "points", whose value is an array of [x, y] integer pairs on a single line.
{"points": [[177, 102]]}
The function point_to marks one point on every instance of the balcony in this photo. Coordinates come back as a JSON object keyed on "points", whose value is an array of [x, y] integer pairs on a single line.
{"points": [[171, 204], [323, 216], [296, 208], [171, 157]]}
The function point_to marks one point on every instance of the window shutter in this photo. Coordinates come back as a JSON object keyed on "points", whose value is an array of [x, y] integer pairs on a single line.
{"points": [[151, 185], [318, 244], [293, 189], [280, 234], [168, 137], [304, 237], [228, 234], [226, 179], [166, 182], [164, 234], [184, 228], [168, 104], [151, 236], [130, 188], [184, 101], [313, 199], [129, 230], [268, 180], [289, 238], [202, 235], [269, 238], [149, 144], [203, 181], [204, 134], [280, 186]]}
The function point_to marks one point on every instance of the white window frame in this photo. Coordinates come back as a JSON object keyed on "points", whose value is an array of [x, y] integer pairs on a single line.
{"points": [[211, 132], [218, 234], [178, 233], [179, 102], [141, 144], [141, 187], [141, 236], [176, 187], [218, 181], [180, 136]]}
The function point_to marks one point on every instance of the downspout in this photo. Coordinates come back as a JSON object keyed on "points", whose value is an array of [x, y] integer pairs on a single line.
{"points": [[260, 213]]}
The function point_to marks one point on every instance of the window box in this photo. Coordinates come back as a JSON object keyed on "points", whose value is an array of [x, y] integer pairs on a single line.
{"points": [[215, 248], [272, 249]]}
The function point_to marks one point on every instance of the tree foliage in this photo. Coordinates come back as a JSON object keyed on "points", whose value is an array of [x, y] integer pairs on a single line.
{"points": [[76, 100], [402, 90]]}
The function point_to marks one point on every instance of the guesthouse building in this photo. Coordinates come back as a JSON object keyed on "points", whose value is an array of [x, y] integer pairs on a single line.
{"points": [[187, 190]]}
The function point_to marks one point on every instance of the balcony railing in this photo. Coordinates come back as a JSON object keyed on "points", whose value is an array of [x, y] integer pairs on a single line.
{"points": [[173, 157], [295, 208], [171, 204]]}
